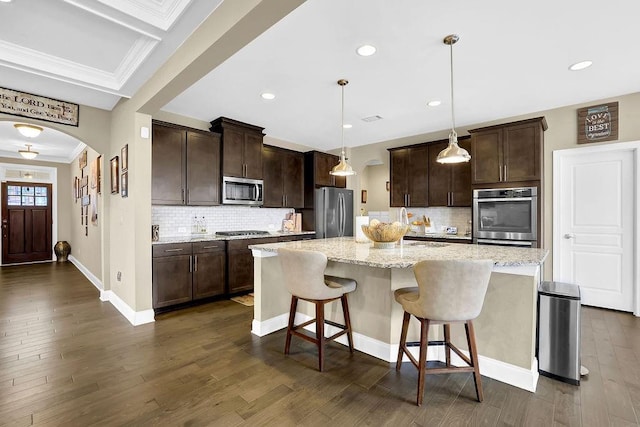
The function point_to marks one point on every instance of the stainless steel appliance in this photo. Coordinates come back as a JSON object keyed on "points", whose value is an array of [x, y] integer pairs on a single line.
{"points": [[242, 191], [506, 216], [559, 331], [334, 212]]}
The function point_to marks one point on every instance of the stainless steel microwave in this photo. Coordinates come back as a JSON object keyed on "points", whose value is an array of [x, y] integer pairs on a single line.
{"points": [[242, 191]]}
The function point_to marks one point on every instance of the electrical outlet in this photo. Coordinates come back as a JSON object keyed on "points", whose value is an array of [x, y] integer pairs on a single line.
{"points": [[119, 276], [182, 229]]}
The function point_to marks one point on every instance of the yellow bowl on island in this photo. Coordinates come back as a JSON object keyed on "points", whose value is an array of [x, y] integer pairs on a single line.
{"points": [[384, 235]]}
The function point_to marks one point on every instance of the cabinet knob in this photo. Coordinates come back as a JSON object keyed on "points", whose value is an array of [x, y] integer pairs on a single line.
{"points": [[569, 236]]}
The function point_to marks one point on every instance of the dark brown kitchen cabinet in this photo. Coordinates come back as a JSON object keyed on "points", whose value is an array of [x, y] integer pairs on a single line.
{"points": [[317, 166], [449, 184], [185, 272], [241, 148], [409, 176], [171, 274], [185, 166], [283, 178], [507, 153], [240, 263], [209, 267]]}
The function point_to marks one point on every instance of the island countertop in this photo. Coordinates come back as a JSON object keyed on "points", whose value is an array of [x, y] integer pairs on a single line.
{"points": [[346, 250]]}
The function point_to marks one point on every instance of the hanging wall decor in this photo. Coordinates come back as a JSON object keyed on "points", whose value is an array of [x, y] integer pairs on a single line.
{"points": [[115, 175], [124, 185], [598, 123], [124, 154]]}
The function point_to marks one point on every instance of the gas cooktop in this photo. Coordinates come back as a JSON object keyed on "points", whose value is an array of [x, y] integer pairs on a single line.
{"points": [[242, 233]]}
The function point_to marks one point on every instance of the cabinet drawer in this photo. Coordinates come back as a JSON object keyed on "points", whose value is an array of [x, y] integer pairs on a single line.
{"points": [[171, 249], [204, 247], [243, 244]]}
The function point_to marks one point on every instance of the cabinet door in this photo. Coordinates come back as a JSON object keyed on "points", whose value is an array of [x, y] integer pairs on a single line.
{"points": [[398, 176], [240, 263], [167, 166], [274, 176], [439, 176], [418, 176], [252, 155], [486, 156], [203, 169], [461, 194], [209, 269], [171, 278], [323, 164], [293, 170], [232, 149], [521, 149]]}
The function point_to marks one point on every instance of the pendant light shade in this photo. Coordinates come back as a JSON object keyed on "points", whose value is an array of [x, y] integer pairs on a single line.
{"points": [[343, 168], [28, 154], [453, 153], [30, 131]]}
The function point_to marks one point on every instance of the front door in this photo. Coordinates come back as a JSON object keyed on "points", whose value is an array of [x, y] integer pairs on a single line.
{"points": [[594, 227], [26, 222]]}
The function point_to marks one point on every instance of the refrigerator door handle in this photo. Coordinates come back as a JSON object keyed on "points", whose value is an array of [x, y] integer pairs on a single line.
{"points": [[340, 215]]}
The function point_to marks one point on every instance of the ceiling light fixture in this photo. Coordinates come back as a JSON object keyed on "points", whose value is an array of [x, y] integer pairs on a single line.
{"points": [[267, 95], [343, 168], [5, 1], [434, 103], [347, 126], [28, 154], [453, 153], [366, 50], [30, 131], [580, 65]]}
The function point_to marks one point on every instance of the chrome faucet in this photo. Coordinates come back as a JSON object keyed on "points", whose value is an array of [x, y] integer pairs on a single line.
{"points": [[404, 217]]}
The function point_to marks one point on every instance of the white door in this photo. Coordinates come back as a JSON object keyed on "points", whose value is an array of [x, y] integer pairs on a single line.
{"points": [[594, 230]]}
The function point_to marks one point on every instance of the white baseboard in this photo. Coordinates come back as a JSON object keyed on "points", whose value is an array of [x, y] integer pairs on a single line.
{"points": [[88, 274], [526, 379], [134, 317]]}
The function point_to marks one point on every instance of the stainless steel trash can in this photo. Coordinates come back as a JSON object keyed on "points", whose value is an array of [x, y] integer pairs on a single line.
{"points": [[559, 331]]}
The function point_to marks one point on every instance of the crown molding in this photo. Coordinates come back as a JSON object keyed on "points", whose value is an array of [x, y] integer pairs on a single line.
{"points": [[161, 14]]}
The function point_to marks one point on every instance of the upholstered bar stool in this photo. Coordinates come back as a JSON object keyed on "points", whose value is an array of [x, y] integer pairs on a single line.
{"points": [[304, 278], [448, 292]]}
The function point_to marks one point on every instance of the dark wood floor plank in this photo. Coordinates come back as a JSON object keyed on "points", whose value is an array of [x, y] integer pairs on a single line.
{"points": [[66, 358]]}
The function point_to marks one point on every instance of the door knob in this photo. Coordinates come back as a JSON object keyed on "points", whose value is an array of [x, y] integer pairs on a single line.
{"points": [[569, 236]]}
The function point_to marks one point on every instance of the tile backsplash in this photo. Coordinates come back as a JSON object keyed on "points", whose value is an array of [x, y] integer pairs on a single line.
{"points": [[440, 217], [178, 220]]}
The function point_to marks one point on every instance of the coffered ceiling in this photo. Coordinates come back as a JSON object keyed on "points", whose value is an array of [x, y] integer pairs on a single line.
{"points": [[512, 59]]}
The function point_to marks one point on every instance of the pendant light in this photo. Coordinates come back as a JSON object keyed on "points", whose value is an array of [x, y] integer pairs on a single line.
{"points": [[30, 131], [343, 168], [453, 153], [28, 154]]}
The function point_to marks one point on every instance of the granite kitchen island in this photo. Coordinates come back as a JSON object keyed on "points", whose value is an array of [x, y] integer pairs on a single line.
{"points": [[505, 330]]}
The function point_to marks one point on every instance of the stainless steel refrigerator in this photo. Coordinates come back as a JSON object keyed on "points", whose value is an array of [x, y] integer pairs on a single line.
{"points": [[334, 212]]}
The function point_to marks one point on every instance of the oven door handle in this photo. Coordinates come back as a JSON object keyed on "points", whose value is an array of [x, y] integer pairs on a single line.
{"points": [[505, 199], [505, 242]]}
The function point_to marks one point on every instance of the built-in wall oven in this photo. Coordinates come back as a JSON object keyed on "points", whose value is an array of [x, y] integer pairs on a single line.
{"points": [[506, 216]]}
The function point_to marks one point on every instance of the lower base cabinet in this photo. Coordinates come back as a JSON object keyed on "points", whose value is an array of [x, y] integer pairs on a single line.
{"points": [[240, 263], [185, 272]]}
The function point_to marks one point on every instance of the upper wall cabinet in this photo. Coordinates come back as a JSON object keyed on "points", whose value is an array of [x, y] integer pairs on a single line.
{"points": [[283, 178], [507, 153], [449, 184], [185, 166], [241, 148], [317, 166], [409, 172]]}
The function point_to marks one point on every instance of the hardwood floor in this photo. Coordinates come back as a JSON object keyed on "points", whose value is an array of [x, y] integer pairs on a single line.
{"points": [[68, 359]]}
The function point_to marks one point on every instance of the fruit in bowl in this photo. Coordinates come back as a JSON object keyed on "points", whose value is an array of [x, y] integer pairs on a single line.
{"points": [[384, 235]]}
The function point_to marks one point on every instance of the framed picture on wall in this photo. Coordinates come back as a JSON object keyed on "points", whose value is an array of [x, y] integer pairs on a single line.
{"points": [[82, 160], [115, 175], [124, 184], [124, 158]]}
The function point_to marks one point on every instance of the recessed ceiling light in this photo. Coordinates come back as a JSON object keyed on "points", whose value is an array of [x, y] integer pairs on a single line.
{"points": [[347, 126], [267, 95], [434, 103], [580, 65], [366, 50], [5, 1]]}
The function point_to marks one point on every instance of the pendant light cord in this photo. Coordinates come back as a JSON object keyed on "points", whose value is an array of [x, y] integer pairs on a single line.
{"points": [[342, 124], [453, 117]]}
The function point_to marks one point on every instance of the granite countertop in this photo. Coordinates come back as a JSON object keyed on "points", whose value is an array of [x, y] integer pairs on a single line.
{"points": [[437, 236], [346, 250], [212, 237]]}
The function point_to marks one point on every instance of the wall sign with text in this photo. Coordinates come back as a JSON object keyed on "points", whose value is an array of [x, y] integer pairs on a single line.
{"points": [[38, 107], [598, 123]]}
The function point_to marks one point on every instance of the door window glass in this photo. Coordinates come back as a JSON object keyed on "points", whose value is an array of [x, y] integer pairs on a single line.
{"points": [[27, 196]]}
